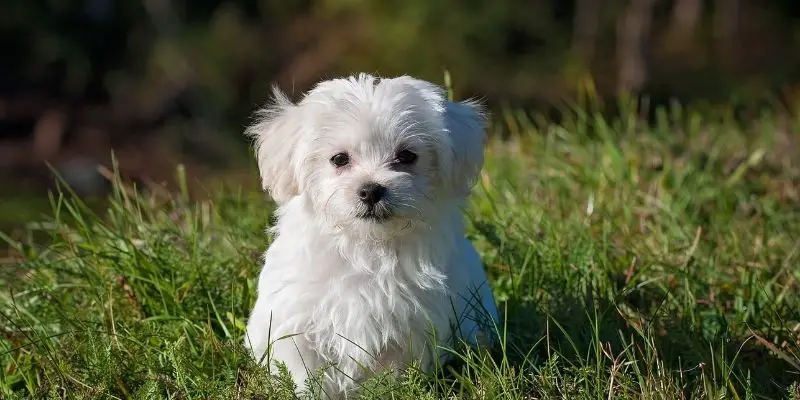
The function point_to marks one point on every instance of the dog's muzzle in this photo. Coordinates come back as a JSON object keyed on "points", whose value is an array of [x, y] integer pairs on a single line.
{"points": [[376, 214]]}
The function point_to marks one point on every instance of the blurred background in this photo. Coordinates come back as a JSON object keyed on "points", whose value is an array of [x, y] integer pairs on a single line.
{"points": [[163, 82]]}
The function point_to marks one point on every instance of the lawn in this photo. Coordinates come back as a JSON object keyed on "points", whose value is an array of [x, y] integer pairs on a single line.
{"points": [[630, 259]]}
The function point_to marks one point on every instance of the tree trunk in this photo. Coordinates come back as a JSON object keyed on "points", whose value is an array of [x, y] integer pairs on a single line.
{"points": [[633, 32], [685, 16], [585, 27], [726, 25]]}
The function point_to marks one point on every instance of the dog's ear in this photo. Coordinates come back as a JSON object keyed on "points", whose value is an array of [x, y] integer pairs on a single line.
{"points": [[276, 135], [466, 124]]}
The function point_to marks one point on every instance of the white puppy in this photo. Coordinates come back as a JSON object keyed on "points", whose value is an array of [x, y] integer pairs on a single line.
{"points": [[369, 268]]}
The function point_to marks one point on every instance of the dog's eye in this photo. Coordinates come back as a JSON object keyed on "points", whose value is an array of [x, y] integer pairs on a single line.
{"points": [[405, 157], [340, 159]]}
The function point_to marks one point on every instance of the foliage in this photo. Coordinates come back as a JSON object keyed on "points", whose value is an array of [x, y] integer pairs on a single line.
{"points": [[229, 52], [631, 260]]}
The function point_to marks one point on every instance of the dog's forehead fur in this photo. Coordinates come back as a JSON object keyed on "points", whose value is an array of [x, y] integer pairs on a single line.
{"points": [[375, 117], [380, 94]]}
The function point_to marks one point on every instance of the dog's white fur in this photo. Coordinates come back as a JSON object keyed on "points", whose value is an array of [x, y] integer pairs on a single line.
{"points": [[354, 294]]}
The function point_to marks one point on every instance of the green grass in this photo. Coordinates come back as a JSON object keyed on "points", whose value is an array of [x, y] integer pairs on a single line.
{"points": [[630, 261]]}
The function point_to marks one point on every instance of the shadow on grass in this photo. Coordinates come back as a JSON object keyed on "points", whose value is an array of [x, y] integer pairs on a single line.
{"points": [[593, 333]]}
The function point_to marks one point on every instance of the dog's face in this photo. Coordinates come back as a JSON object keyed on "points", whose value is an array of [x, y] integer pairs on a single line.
{"points": [[370, 154]]}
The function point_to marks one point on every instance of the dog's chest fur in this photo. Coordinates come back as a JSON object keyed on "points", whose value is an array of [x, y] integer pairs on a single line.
{"points": [[378, 302]]}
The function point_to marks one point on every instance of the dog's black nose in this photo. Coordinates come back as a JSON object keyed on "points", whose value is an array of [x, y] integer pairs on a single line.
{"points": [[371, 193]]}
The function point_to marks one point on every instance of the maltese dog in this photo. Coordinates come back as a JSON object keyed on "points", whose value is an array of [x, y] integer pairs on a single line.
{"points": [[369, 270]]}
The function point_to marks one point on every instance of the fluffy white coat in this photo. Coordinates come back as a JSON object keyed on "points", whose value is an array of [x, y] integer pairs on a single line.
{"points": [[351, 286]]}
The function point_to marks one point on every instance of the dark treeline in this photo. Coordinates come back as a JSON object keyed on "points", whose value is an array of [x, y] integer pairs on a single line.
{"points": [[104, 73]]}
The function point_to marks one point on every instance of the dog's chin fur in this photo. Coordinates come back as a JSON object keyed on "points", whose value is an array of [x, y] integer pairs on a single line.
{"points": [[345, 295]]}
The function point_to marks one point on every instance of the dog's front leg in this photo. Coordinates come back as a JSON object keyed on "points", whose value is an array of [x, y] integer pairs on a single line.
{"points": [[267, 347], [298, 356]]}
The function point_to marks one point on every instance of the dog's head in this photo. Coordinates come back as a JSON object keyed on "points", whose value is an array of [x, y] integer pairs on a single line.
{"points": [[370, 153]]}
